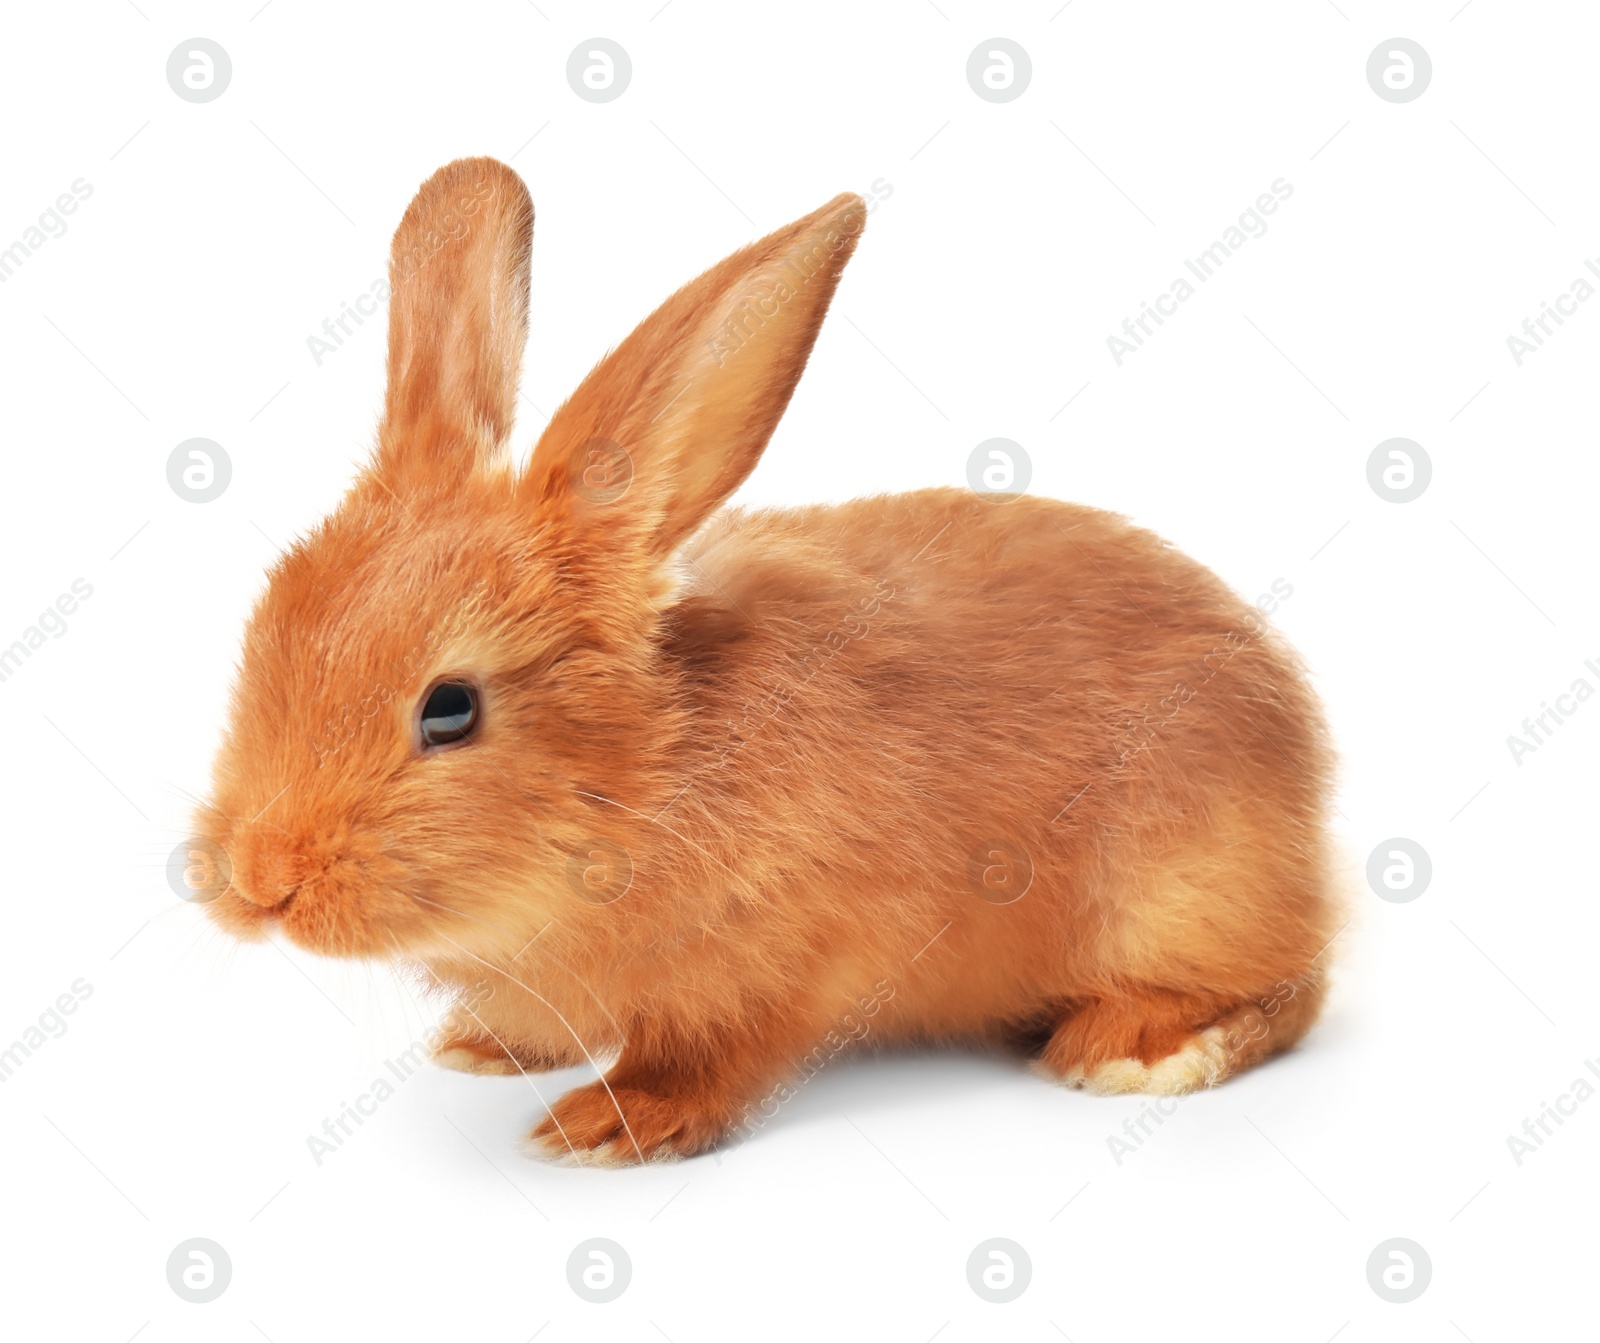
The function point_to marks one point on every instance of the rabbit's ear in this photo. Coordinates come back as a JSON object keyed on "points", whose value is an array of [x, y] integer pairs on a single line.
{"points": [[667, 426], [458, 319]]}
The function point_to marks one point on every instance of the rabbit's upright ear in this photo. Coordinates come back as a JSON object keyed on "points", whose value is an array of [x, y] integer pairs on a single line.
{"points": [[667, 426], [458, 319]]}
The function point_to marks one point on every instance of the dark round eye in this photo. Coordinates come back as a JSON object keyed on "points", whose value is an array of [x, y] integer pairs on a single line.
{"points": [[449, 714]]}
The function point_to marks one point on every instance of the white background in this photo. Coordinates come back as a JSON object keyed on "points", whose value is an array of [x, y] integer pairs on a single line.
{"points": [[1016, 239]]}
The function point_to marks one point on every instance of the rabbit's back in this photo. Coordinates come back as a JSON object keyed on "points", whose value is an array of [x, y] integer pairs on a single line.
{"points": [[1027, 723]]}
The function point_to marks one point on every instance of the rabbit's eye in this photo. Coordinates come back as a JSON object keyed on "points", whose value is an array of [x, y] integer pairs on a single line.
{"points": [[449, 714]]}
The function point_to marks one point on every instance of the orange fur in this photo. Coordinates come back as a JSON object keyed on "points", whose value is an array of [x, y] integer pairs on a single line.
{"points": [[990, 767]]}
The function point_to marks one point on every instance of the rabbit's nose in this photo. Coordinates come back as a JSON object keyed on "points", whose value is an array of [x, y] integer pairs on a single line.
{"points": [[269, 868]]}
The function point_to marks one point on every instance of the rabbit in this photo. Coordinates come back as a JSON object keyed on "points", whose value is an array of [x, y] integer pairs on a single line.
{"points": [[702, 797]]}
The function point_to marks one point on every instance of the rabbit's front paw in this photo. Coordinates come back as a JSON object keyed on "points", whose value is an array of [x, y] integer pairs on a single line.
{"points": [[624, 1126], [473, 1051], [472, 1054]]}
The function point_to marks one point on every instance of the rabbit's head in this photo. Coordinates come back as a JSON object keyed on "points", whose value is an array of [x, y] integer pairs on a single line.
{"points": [[456, 683]]}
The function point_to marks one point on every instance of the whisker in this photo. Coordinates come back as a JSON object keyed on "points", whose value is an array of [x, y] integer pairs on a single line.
{"points": [[525, 1075], [684, 838], [626, 1128], [598, 1002], [550, 1113], [422, 899], [180, 790]]}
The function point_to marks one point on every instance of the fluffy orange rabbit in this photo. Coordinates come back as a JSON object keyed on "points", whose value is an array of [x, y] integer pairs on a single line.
{"points": [[713, 794]]}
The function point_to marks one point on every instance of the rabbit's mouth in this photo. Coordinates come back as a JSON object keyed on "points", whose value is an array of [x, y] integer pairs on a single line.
{"points": [[242, 918], [337, 893], [237, 910], [342, 912]]}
